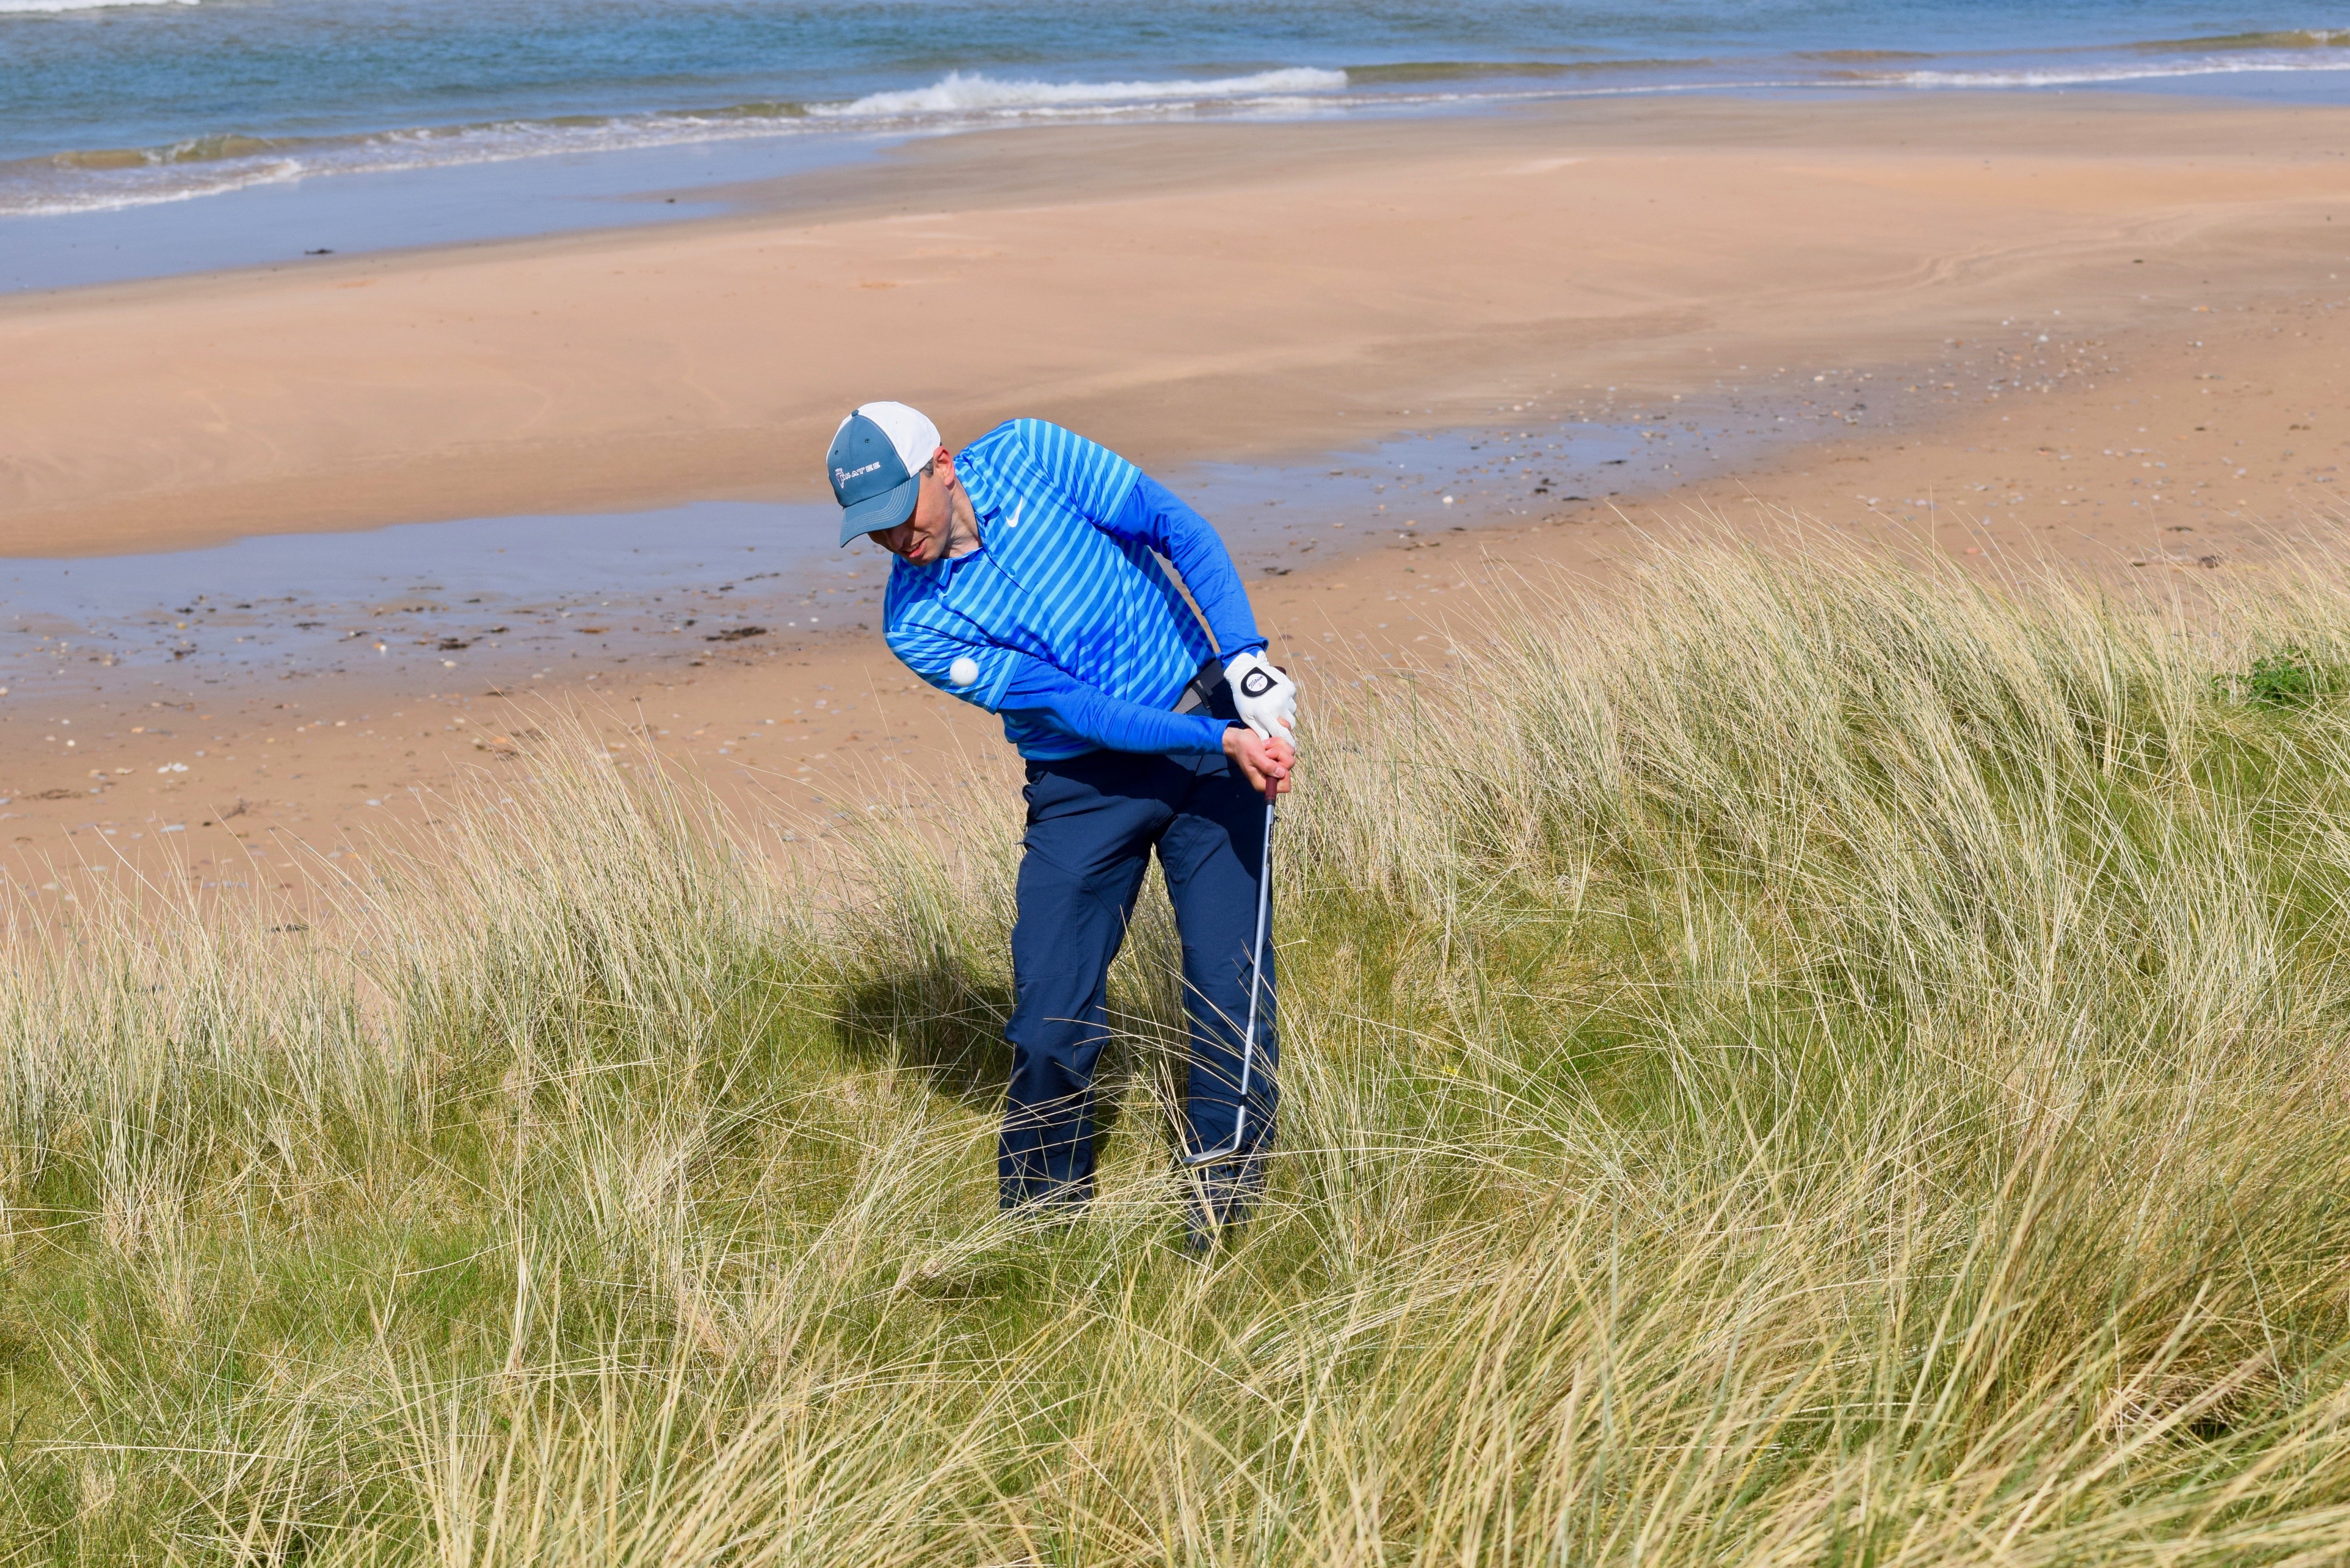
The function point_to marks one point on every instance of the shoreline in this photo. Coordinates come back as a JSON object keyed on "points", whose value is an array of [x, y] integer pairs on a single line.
{"points": [[1271, 292], [1934, 380]]}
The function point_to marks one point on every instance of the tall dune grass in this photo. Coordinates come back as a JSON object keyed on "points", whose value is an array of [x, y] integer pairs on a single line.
{"points": [[1798, 1063]]}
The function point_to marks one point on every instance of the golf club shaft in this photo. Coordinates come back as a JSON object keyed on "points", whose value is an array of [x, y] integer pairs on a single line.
{"points": [[1256, 954], [1256, 976]]}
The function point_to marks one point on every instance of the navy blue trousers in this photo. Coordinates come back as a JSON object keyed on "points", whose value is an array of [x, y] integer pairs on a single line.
{"points": [[1093, 824]]}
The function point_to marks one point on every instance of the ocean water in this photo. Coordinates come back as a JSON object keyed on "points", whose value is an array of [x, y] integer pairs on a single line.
{"points": [[116, 106], [118, 103]]}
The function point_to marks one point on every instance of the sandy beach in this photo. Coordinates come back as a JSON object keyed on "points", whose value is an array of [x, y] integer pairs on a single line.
{"points": [[2103, 330]]}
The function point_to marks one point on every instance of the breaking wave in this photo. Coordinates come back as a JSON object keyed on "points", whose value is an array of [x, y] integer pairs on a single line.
{"points": [[2093, 76], [960, 94], [57, 8]]}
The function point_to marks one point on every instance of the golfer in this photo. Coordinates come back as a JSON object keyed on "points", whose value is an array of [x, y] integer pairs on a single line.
{"points": [[1025, 584]]}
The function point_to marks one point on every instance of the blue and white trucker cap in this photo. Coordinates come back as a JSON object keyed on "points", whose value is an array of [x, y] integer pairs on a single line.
{"points": [[875, 456]]}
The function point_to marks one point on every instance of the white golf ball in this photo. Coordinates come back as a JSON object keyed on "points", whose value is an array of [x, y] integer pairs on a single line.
{"points": [[963, 671]]}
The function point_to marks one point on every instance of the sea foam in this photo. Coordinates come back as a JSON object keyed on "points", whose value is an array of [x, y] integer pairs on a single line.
{"points": [[56, 8], [958, 93], [2093, 76]]}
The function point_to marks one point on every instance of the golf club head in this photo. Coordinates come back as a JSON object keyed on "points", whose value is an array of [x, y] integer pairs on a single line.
{"points": [[1230, 1148]]}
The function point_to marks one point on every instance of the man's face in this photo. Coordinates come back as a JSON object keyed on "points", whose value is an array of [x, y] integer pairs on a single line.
{"points": [[921, 538]]}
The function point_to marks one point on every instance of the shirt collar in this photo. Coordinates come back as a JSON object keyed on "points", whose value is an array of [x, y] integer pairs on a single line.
{"points": [[979, 481], [939, 571]]}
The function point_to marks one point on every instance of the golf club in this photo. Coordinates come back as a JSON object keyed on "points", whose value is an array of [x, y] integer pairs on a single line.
{"points": [[1231, 1145]]}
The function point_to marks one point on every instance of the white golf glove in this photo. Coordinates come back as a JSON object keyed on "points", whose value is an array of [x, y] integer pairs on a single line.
{"points": [[1267, 699]]}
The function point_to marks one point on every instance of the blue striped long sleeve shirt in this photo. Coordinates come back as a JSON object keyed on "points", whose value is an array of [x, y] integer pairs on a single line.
{"points": [[1062, 621]]}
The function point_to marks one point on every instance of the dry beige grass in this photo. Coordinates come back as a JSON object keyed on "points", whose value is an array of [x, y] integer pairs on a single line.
{"points": [[1798, 1064]]}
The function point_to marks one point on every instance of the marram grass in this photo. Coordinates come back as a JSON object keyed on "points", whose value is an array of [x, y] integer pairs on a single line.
{"points": [[1795, 1064]]}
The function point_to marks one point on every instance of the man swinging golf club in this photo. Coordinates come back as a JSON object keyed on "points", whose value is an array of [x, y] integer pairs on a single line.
{"points": [[1025, 584]]}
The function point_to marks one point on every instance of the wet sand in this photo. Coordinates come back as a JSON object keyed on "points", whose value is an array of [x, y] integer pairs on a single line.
{"points": [[2107, 331]]}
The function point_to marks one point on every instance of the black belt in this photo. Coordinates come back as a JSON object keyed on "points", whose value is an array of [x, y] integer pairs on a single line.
{"points": [[1202, 690]]}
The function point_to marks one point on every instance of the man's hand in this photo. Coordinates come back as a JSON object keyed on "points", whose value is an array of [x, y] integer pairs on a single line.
{"points": [[1265, 764], [1265, 697]]}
